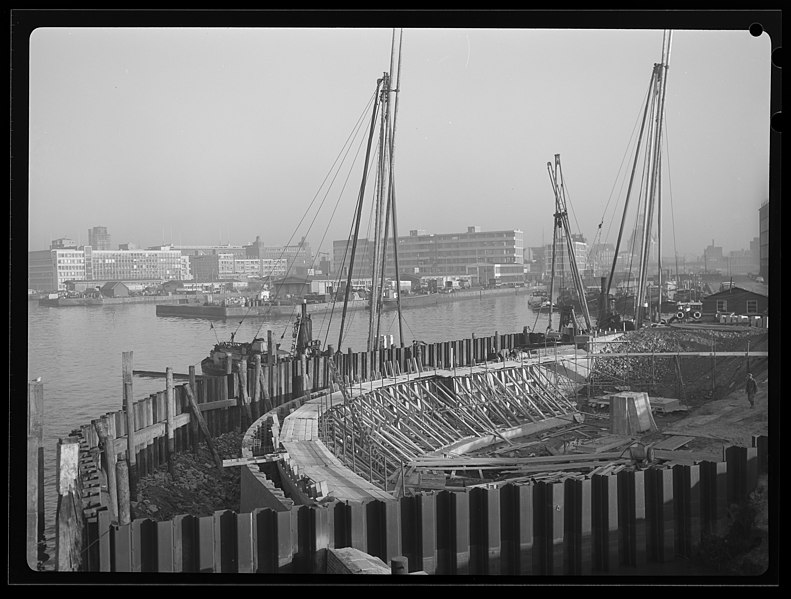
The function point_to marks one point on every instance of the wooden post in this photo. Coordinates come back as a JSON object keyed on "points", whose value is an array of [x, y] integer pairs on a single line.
{"points": [[245, 419], [69, 520], [270, 365], [35, 471], [107, 445], [170, 415], [256, 387], [202, 424], [122, 484], [194, 433], [126, 366]]}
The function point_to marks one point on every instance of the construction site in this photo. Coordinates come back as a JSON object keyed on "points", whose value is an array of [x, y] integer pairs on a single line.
{"points": [[651, 400]]}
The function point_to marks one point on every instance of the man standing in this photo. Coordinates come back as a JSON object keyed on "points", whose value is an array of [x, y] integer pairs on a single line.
{"points": [[751, 387]]}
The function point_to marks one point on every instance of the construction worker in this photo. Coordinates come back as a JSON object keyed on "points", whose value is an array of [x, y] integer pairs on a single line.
{"points": [[751, 387]]}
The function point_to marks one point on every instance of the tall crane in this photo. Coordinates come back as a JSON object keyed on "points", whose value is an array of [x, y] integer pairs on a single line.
{"points": [[562, 222]]}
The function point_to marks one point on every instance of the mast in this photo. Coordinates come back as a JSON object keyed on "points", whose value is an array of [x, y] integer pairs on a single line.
{"points": [[655, 101], [392, 190], [358, 215], [661, 87], [378, 250]]}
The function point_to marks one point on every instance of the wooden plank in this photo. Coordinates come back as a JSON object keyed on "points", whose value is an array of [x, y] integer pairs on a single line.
{"points": [[157, 374], [272, 457], [673, 442], [196, 412]]}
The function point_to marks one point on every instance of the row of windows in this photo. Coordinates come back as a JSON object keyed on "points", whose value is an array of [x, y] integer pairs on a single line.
{"points": [[750, 305]]}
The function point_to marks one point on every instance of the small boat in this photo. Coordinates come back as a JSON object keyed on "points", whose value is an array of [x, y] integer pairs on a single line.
{"points": [[216, 363], [547, 306], [536, 300]]}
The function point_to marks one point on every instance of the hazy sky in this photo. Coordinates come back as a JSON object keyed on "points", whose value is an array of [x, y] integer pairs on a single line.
{"points": [[200, 136]]}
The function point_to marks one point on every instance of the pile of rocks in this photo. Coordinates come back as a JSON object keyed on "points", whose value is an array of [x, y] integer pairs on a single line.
{"points": [[664, 377], [199, 488]]}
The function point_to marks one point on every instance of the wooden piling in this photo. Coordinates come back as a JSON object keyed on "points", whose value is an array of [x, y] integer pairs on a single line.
{"points": [[69, 519], [170, 415], [122, 485], [245, 419], [107, 445], [126, 367], [256, 406], [35, 471], [194, 433]]}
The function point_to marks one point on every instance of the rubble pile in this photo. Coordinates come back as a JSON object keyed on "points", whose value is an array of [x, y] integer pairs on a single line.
{"points": [[198, 489], [694, 379]]}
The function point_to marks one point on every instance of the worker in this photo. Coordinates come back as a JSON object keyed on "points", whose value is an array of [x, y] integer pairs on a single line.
{"points": [[751, 387]]}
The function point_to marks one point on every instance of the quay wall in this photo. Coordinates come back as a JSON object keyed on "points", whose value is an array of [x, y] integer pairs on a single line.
{"points": [[290, 309], [62, 302]]}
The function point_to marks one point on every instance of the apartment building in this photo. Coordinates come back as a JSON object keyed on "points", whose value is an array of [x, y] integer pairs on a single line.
{"points": [[444, 254]]}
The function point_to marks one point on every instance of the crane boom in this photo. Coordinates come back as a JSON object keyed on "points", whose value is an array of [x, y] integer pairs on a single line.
{"points": [[562, 221]]}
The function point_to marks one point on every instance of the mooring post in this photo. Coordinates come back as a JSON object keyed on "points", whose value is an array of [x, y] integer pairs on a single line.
{"points": [[399, 565], [35, 471], [126, 366], [270, 360], [107, 445], [170, 415], [194, 431], [245, 418], [256, 387], [122, 484], [69, 519]]}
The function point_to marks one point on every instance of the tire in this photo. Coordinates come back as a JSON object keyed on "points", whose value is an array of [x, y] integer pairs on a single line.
{"points": [[680, 315], [696, 315]]}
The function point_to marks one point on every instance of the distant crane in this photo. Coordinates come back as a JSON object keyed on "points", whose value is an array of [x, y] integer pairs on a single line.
{"points": [[562, 222]]}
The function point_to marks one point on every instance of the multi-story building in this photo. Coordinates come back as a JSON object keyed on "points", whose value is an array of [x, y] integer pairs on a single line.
{"points": [[299, 258], [99, 238], [49, 270], [445, 254], [64, 243], [209, 268], [563, 273]]}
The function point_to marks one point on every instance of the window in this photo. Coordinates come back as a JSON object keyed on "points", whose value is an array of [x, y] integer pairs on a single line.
{"points": [[722, 305], [752, 306]]}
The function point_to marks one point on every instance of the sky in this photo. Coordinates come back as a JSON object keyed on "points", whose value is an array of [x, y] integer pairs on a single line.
{"points": [[198, 136]]}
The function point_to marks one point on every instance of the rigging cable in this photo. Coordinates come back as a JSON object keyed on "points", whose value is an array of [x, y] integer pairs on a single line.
{"points": [[351, 136]]}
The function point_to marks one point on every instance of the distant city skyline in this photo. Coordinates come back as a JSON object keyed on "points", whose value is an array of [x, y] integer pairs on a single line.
{"points": [[726, 249], [215, 135]]}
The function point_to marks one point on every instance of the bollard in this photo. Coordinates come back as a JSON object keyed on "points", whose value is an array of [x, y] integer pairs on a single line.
{"points": [[399, 565]]}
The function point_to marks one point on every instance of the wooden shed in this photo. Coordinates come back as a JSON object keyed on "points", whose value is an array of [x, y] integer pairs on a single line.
{"points": [[115, 289], [736, 301]]}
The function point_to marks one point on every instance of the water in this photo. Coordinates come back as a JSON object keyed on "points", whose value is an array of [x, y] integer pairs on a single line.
{"points": [[77, 352]]}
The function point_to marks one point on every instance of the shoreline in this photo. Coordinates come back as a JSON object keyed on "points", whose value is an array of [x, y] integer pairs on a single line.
{"points": [[217, 312]]}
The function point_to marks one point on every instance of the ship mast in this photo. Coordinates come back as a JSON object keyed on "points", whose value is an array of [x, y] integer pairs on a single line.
{"points": [[652, 199], [655, 107], [384, 207]]}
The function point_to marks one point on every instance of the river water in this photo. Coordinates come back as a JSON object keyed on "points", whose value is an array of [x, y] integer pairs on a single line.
{"points": [[77, 352]]}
